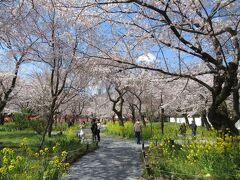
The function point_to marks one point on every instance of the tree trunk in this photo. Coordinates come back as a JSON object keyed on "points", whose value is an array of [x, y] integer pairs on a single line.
{"points": [[223, 86], [1, 119], [220, 120], [133, 113], [120, 118], [51, 121], [186, 119], [175, 118], [143, 120], [2, 105], [3, 102], [115, 102], [44, 135], [204, 121], [162, 120], [51, 116], [113, 119]]}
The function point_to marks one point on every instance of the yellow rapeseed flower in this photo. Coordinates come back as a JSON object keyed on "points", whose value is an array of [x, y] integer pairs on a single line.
{"points": [[208, 175], [5, 160], [19, 158], [41, 152], [29, 151], [64, 153], [11, 167], [54, 148], [46, 173], [2, 170]]}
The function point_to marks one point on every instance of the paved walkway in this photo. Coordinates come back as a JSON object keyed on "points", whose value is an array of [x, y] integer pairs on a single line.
{"points": [[116, 159]]}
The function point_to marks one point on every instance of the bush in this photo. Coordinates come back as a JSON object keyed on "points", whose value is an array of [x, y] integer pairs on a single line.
{"points": [[60, 126], [38, 125], [21, 120], [8, 126], [71, 132]]}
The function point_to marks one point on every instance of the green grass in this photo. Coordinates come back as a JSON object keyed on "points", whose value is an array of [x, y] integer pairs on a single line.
{"points": [[153, 131], [21, 158], [13, 139]]}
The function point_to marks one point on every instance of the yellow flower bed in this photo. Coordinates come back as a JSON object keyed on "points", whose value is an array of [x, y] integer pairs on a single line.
{"points": [[218, 158], [14, 164]]}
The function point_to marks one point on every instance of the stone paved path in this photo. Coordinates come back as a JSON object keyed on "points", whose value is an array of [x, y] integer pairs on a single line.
{"points": [[116, 159]]}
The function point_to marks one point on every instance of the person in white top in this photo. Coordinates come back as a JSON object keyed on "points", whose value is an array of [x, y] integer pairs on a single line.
{"points": [[81, 134], [137, 130]]}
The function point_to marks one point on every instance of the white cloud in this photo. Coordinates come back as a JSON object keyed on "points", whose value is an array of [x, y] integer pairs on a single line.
{"points": [[146, 58]]}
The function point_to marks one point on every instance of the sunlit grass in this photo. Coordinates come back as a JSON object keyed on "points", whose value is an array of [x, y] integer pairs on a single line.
{"points": [[27, 161]]}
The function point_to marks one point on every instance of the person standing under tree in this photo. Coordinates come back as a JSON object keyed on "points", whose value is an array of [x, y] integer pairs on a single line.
{"points": [[137, 130], [94, 129]]}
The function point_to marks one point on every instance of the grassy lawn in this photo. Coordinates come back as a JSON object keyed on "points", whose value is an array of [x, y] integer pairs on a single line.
{"points": [[21, 158], [13, 138]]}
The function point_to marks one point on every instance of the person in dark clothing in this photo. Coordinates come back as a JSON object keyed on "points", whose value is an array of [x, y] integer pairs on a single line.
{"points": [[98, 130], [137, 129], [194, 128], [68, 121], [94, 129]]}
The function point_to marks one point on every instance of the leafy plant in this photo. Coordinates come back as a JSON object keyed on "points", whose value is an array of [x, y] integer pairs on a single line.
{"points": [[38, 125], [8, 126], [60, 126], [21, 120]]}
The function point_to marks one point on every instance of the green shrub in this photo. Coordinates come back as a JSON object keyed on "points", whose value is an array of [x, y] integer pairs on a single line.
{"points": [[8, 126], [60, 126], [21, 120], [38, 125], [71, 132]]}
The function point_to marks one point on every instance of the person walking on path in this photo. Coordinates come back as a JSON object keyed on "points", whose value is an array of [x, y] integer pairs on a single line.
{"points": [[94, 129], [98, 130], [137, 130]]}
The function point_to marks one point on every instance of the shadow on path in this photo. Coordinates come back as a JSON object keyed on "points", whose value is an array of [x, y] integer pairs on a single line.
{"points": [[116, 159]]}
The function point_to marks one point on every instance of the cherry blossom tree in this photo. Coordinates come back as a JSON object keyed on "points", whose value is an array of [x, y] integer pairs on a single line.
{"points": [[118, 101], [60, 52], [16, 46], [197, 31]]}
